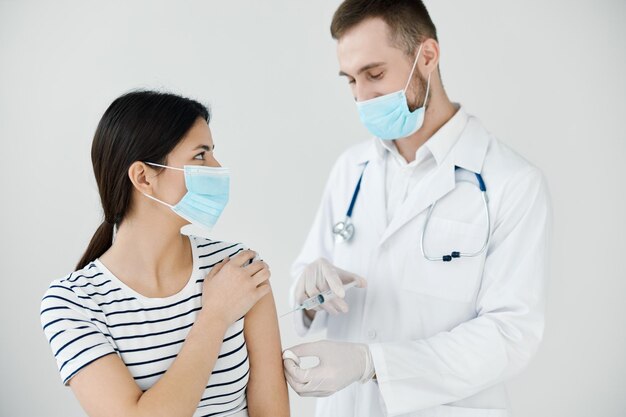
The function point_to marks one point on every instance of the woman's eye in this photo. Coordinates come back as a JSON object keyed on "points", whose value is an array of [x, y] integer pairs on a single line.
{"points": [[200, 156], [351, 81], [376, 76]]}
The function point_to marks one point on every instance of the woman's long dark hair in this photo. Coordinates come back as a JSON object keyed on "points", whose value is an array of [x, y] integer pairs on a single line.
{"points": [[138, 126]]}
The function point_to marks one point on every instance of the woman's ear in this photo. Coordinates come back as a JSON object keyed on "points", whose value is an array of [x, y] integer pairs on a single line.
{"points": [[141, 175]]}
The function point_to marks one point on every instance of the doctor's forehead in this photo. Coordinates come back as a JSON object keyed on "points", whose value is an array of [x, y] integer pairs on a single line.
{"points": [[366, 43]]}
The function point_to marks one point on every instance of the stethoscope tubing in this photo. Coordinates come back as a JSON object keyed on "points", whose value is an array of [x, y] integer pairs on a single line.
{"points": [[344, 230]]}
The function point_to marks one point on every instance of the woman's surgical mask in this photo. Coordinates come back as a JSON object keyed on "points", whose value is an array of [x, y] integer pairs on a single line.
{"points": [[207, 194], [388, 117]]}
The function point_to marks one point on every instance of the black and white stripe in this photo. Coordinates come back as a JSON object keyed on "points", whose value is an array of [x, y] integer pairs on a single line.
{"points": [[91, 313]]}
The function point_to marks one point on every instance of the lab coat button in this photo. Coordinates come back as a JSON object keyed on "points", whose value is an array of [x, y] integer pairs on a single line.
{"points": [[371, 333]]}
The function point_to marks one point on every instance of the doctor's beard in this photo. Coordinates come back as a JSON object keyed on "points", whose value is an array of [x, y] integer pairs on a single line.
{"points": [[418, 90]]}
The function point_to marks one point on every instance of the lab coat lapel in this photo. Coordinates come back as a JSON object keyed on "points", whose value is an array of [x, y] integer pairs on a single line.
{"points": [[430, 189], [468, 153], [373, 190]]}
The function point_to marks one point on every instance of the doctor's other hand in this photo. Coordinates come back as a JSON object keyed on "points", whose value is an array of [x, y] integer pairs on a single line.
{"points": [[320, 276], [340, 364]]}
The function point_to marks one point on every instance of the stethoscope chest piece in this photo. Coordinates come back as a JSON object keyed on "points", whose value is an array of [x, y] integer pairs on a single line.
{"points": [[343, 231]]}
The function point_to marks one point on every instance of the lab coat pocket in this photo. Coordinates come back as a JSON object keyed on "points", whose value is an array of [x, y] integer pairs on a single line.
{"points": [[457, 280]]}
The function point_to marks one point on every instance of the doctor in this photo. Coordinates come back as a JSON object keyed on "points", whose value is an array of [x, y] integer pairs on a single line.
{"points": [[444, 228]]}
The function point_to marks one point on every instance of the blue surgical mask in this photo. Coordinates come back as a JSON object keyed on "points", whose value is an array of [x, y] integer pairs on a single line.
{"points": [[207, 194], [388, 117]]}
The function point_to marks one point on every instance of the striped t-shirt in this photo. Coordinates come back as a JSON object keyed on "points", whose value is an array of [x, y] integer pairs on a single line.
{"points": [[91, 313]]}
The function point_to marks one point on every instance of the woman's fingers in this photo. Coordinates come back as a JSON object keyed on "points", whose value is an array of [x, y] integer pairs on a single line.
{"points": [[262, 290], [218, 267], [255, 267], [261, 276], [243, 257]]}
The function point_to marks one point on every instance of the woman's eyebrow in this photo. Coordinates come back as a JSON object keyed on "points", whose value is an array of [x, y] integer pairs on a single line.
{"points": [[205, 148]]}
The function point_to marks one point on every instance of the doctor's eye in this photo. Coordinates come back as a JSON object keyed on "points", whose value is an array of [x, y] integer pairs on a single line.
{"points": [[200, 156], [376, 76], [351, 81]]}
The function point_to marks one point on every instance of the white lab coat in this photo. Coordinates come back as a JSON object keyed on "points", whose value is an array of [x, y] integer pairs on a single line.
{"points": [[444, 337]]}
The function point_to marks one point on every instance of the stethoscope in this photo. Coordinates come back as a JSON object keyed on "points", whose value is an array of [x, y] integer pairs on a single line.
{"points": [[344, 230]]}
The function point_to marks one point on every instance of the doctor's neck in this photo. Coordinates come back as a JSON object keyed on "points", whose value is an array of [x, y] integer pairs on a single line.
{"points": [[439, 110]]}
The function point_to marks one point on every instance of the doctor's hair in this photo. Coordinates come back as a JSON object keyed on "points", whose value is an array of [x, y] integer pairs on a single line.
{"points": [[408, 20], [138, 126]]}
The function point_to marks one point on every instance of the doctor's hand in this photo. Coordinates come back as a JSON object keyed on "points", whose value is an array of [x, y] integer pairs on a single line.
{"points": [[340, 364], [320, 276]]}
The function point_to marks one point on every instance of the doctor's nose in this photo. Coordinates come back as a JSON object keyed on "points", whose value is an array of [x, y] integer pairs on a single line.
{"points": [[363, 93]]}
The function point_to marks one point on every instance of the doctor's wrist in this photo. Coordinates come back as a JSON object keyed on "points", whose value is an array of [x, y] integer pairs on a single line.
{"points": [[368, 372]]}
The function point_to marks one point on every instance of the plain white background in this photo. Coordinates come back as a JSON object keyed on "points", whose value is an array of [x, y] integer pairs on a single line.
{"points": [[548, 78]]}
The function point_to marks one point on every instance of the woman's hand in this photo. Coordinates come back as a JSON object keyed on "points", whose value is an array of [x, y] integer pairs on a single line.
{"points": [[230, 289]]}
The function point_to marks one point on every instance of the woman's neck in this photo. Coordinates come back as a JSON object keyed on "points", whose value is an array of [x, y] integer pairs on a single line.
{"points": [[152, 258]]}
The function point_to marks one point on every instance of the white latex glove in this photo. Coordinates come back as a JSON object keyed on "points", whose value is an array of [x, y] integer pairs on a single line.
{"points": [[320, 276], [340, 364]]}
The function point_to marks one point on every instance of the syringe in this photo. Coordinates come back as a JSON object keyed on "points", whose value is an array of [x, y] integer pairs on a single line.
{"points": [[319, 299]]}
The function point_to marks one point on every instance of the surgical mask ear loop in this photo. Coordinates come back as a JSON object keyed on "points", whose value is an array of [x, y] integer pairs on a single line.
{"points": [[411, 76], [427, 91], [413, 69], [161, 166], [164, 166], [159, 201]]}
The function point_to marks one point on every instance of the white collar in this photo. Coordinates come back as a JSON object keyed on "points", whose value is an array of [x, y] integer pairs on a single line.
{"points": [[438, 145], [463, 137]]}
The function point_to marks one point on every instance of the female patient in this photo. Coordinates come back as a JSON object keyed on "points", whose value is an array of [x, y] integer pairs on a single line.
{"points": [[154, 322]]}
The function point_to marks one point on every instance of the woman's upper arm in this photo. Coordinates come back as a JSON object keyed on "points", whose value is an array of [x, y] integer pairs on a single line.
{"points": [[267, 390], [105, 388], [85, 357]]}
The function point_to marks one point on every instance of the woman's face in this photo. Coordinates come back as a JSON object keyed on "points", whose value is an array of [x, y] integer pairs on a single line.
{"points": [[196, 148]]}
